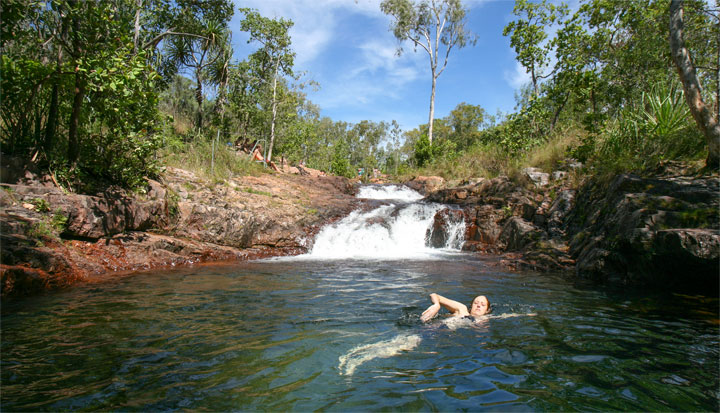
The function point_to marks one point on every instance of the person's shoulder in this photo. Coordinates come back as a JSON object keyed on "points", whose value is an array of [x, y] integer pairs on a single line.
{"points": [[463, 310]]}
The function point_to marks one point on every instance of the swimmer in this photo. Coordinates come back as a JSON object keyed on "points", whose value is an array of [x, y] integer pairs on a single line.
{"points": [[480, 306]]}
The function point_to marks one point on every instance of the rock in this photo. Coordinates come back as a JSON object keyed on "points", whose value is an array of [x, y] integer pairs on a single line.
{"points": [[538, 177], [444, 220], [517, 233], [192, 220], [425, 184], [487, 221], [556, 214], [559, 175], [692, 252], [653, 231]]}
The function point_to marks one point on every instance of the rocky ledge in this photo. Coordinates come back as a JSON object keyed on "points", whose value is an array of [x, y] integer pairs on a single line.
{"points": [[661, 230], [51, 238]]}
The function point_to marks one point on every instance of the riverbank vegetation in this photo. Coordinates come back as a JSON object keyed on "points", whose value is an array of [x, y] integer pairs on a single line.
{"points": [[110, 92]]}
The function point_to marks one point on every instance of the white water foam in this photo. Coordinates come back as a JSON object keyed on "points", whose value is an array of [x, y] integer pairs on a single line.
{"points": [[387, 232], [382, 349], [389, 192], [396, 230]]}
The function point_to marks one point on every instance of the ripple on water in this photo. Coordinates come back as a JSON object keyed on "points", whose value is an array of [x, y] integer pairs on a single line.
{"points": [[346, 336]]}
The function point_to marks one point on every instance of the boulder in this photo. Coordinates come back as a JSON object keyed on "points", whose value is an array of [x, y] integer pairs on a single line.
{"points": [[439, 234], [659, 230], [425, 184], [537, 176], [518, 233]]}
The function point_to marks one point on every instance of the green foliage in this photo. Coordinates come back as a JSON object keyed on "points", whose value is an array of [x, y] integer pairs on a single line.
{"points": [[195, 157], [341, 166], [257, 192], [41, 205], [92, 104], [527, 35], [48, 228], [59, 221], [173, 201], [658, 128]]}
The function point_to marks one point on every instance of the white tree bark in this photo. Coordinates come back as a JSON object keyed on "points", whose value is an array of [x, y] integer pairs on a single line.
{"points": [[703, 116], [274, 112], [432, 108]]}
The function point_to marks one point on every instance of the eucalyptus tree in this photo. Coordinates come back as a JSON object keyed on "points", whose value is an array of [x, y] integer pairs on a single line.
{"points": [[274, 36], [436, 26], [395, 134], [703, 115], [364, 144]]}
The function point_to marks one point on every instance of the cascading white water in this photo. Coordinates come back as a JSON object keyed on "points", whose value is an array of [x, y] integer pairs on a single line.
{"points": [[396, 230], [389, 192]]}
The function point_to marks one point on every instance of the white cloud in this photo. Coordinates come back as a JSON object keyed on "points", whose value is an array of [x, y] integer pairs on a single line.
{"points": [[368, 69], [518, 77], [315, 21]]}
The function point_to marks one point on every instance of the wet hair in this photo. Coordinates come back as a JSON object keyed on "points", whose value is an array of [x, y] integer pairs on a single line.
{"points": [[489, 308]]}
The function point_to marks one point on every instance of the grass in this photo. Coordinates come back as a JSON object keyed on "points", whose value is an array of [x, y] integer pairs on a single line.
{"points": [[257, 192], [196, 157], [48, 228], [492, 160]]}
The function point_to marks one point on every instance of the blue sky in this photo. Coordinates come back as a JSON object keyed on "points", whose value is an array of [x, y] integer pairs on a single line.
{"points": [[346, 46]]}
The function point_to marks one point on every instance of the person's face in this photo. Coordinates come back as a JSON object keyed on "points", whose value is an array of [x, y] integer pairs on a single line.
{"points": [[479, 305]]}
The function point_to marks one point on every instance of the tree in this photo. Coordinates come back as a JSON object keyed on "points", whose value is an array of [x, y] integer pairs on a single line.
{"points": [[78, 56], [705, 119], [274, 36], [200, 54], [527, 35], [430, 24], [466, 121], [395, 134]]}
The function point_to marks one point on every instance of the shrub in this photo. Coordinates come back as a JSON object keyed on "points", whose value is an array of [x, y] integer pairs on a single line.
{"points": [[197, 157]]}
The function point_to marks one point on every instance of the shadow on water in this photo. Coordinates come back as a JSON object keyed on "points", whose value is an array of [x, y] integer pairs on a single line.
{"points": [[345, 335]]}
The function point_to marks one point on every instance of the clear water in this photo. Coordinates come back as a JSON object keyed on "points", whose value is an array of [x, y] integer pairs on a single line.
{"points": [[345, 335]]}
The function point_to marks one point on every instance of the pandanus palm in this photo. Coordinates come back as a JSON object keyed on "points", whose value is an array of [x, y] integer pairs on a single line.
{"points": [[199, 54]]}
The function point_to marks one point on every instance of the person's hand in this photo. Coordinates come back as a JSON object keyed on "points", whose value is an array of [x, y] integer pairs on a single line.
{"points": [[430, 312]]}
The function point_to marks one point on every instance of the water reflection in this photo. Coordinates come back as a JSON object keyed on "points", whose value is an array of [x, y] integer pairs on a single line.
{"points": [[339, 335]]}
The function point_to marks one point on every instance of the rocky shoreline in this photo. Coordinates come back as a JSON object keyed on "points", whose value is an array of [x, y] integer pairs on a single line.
{"points": [[51, 239], [660, 231]]}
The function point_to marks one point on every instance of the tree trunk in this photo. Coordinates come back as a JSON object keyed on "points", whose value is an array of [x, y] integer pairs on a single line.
{"points": [[534, 80], [51, 126], [559, 109], [136, 36], [717, 73], [431, 117], [79, 91], [703, 116], [73, 141], [274, 113], [199, 100]]}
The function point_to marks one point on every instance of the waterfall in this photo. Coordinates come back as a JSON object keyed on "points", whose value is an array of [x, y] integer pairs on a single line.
{"points": [[402, 227]]}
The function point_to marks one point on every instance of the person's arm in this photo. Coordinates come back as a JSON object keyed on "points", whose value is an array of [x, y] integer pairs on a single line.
{"points": [[453, 306]]}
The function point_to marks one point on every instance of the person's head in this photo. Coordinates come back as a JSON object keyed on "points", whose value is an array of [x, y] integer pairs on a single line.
{"points": [[480, 306]]}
